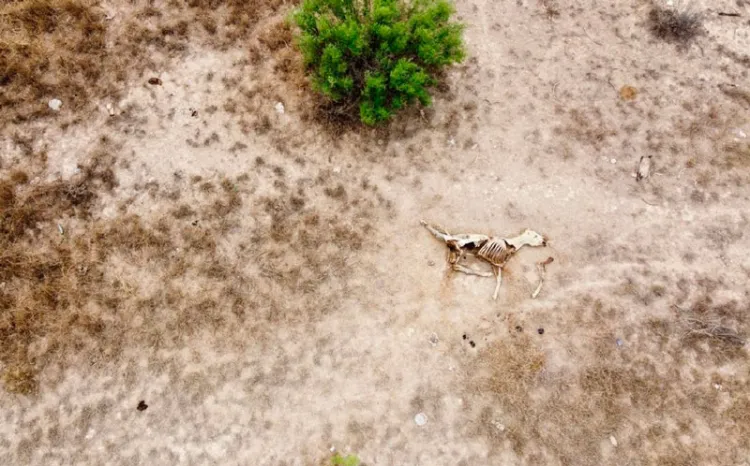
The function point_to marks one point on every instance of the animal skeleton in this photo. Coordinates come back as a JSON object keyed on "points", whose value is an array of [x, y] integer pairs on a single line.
{"points": [[496, 251]]}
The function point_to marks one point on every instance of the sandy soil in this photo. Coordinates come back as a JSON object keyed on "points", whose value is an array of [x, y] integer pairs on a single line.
{"points": [[343, 322]]}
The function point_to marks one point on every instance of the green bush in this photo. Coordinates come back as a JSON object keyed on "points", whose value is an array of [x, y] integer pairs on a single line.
{"points": [[379, 54]]}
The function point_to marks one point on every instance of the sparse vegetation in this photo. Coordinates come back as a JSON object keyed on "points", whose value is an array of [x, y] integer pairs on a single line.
{"points": [[672, 25], [377, 57], [348, 460]]}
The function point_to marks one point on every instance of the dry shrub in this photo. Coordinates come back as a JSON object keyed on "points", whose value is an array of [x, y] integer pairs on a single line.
{"points": [[671, 25]]}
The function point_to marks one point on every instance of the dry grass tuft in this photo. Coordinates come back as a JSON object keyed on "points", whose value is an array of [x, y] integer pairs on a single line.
{"points": [[678, 27]]}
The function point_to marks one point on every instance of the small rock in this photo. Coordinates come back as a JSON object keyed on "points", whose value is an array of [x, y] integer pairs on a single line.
{"points": [[110, 110], [420, 419], [431, 263], [618, 342], [55, 104], [335, 169], [155, 81], [613, 161], [279, 108], [499, 426], [142, 406], [613, 440], [540, 331], [434, 339]]}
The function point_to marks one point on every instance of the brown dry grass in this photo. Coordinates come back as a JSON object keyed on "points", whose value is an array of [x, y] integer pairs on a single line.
{"points": [[76, 286], [69, 50], [50, 49], [664, 387]]}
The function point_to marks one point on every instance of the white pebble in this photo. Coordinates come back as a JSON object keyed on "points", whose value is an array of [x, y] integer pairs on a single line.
{"points": [[613, 161], [279, 108], [55, 104], [613, 440], [420, 419], [336, 169]]}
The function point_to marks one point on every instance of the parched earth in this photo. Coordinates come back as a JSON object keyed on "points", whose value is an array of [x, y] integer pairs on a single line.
{"points": [[196, 269]]}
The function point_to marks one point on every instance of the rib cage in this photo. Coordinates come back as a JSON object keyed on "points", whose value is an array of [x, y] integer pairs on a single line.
{"points": [[496, 251]]}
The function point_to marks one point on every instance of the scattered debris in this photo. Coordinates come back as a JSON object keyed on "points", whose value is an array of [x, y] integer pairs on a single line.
{"points": [[519, 328], [279, 108], [540, 331], [472, 344], [542, 268], [155, 81], [434, 339], [618, 342], [420, 419], [60, 229], [142, 406], [110, 110], [493, 250], [734, 15], [55, 104], [644, 168], [613, 440], [193, 113], [431, 263], [628, 93]]}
